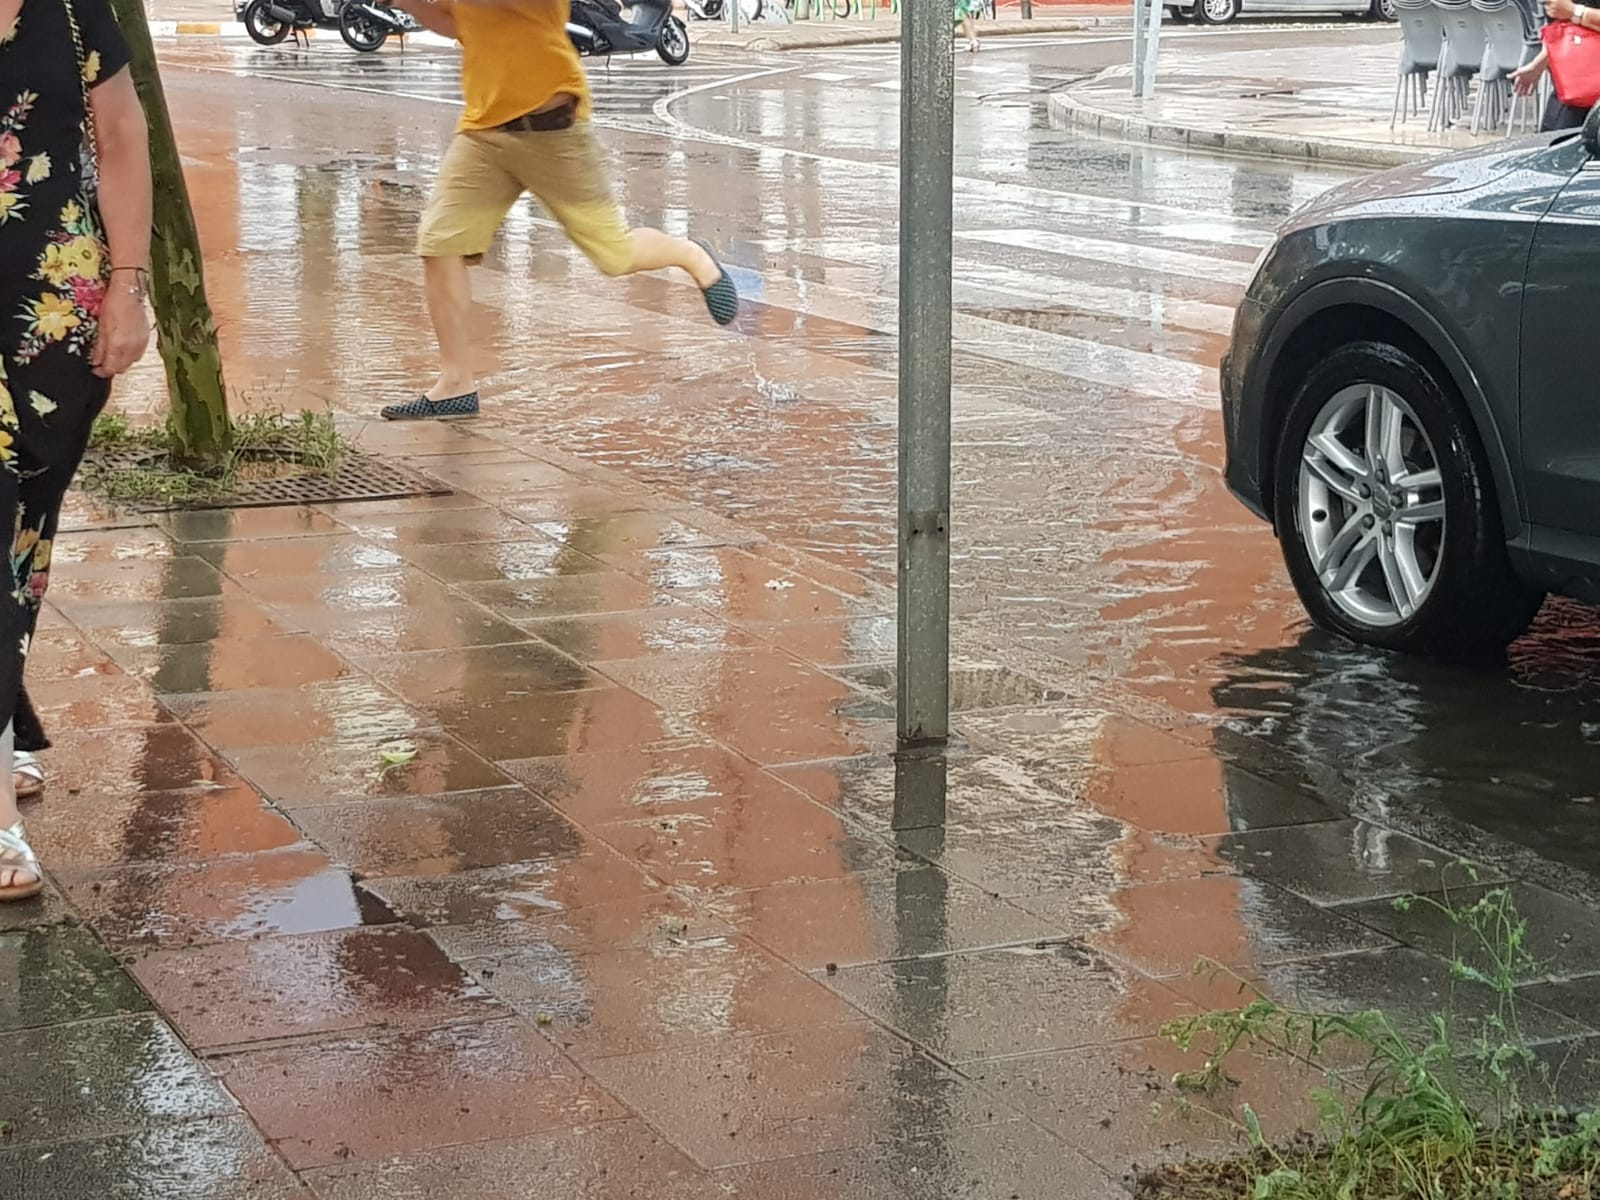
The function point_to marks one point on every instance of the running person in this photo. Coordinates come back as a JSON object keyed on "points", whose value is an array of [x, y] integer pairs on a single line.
{"points": [[525, 128]]}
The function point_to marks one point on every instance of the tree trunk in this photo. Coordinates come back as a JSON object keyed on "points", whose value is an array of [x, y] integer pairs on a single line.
{"points": [[186, 333]]}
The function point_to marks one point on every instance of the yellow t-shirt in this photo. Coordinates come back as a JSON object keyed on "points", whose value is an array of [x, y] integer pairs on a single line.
{"points": [[515, 58]]}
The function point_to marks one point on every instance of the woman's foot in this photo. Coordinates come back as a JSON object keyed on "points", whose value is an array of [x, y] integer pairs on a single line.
{"points": [[27, 775], [722, 297], [20, 875]]}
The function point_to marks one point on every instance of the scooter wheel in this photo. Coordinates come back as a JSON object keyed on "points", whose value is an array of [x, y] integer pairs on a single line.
{"points": [[263, 29], [359, 31], [672, 43]]}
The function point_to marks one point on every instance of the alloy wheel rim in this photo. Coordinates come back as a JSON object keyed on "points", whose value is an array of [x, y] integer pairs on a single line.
{"points": [[1219, 10], [675, 39], [1371, 506]]}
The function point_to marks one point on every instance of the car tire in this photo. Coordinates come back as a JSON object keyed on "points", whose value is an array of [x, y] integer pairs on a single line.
{"points": [[1387, 572], [1383, 10], [1216, 12]]}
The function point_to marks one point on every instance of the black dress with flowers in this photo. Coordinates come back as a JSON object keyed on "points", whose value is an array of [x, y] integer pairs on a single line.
{"points": [[53, 273]]}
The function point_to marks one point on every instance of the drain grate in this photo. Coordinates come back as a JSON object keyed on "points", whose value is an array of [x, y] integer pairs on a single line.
{"points": [[275, 480]]}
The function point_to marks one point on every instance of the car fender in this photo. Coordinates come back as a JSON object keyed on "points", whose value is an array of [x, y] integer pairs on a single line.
{"points": [[1368, 292]]}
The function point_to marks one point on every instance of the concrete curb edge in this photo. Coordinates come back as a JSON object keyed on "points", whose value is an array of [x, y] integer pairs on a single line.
{"points": [[1069, 109]]}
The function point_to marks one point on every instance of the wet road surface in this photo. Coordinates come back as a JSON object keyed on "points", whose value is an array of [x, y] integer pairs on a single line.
{"points": [[639, 906]]}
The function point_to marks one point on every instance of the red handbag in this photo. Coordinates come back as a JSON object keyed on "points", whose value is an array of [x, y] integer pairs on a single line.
{"points": [[1574, 63]]}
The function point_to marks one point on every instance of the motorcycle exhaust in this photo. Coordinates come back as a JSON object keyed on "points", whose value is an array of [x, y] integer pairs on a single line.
{"points": [[284, 16]]}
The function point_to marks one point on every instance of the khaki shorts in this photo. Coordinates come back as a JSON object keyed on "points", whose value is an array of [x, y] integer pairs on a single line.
{"points": [[485, 172]]}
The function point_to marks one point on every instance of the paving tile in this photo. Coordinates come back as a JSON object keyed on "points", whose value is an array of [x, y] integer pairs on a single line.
{"points": [[659, 921], [446, 527], [1064, 735], [332, 772], [753, 842], [845, 642], [50, 907], [66, 654], [1568, 1073], [225, 666], [1409, 986], [562, 723], [974, 686], [1116, 1104], [762, 703], [498, 472], [373, 612], [1164, 929], [1577, 999], [183, 577], [913, 911], [95, 702], [114, 545], [596, 789], [452, 685], [527, 600], [478, 562], [591, 876], [257, 565], [353, 712], [87, 829], [627, 635], [1012, 1161], [1047, 996], [231, 616], [120, 762], [732, 1101], [52, 974], [1563, 937], [1024, 853], [366, 1099], [94, 1078], [620, 1160], [445, 834], [279, 987], [247, 524], [1341, 861], [218, 1159], [1198, 797], [297, 890], [739, 586], [595, 1003]]}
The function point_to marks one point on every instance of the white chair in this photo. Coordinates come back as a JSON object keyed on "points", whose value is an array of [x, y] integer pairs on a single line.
{"points": [[1465, 41], [1422, 28], [1504, 48]]}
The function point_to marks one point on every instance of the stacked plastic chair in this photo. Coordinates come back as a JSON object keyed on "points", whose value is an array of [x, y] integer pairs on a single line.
{"points": [[1422, 27], [1504, 45], [1466, 39]]}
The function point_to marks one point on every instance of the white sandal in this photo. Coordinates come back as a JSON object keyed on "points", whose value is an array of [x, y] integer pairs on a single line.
{"points": [[27, 775], [17, 855]]}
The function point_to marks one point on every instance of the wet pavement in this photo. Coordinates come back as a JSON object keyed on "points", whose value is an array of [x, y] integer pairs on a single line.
{"points": [[545, 838]]}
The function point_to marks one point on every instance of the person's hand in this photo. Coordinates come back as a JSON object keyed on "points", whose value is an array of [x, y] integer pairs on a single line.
{"points": [[124, 331], [1526, 79], [1559, 10]]}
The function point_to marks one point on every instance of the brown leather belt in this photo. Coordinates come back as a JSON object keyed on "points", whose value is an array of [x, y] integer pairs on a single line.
{"points": [[563, 117]]}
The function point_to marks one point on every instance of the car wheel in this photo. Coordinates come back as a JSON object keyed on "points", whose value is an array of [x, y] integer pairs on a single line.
{"points": [[1384, 10], [1386, 511], [1216, 12]]}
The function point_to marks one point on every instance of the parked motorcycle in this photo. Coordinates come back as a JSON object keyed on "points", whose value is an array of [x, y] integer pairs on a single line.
{"points": [[598, 29], [717, 10], [366, 25], [269, 22]]}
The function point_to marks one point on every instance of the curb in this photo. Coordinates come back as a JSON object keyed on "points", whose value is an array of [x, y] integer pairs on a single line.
{"points": [[233, 30], [1072, 111], [873, 37]]}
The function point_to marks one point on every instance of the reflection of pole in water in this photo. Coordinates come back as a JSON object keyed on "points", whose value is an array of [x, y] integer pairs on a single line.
{"points": [[920, 976]]}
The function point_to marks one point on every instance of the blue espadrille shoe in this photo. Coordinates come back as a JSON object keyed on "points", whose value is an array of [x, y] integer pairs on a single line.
{"points": [[722, 297], [423, 409]]}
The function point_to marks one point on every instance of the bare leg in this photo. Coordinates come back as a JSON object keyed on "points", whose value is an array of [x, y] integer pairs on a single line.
{"points": [[970, 28], [653, 250], [450, 307]]}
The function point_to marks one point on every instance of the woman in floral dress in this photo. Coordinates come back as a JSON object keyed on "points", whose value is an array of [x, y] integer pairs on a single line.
{"points": [[73, 254], [967, 21]]}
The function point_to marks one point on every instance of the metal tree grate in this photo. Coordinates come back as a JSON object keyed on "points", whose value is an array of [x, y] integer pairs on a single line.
{"points": [[357, 476]]}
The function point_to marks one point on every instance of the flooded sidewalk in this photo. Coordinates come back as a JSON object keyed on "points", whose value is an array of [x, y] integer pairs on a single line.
{"points": [[545, 837]]}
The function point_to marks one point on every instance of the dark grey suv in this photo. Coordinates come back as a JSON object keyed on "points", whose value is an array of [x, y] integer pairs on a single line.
{"points": [[1412, 395]]}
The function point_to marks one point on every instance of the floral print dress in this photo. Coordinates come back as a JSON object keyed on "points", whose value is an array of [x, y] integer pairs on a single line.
{"points": [[53, 273]]}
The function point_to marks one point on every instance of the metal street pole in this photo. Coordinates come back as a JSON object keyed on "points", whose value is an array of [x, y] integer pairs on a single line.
{"points": [[927, 165], [733, 15], [1146, 47]]}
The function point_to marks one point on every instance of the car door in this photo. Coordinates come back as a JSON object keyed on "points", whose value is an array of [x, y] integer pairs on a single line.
{"points": [[1560, 362]]}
